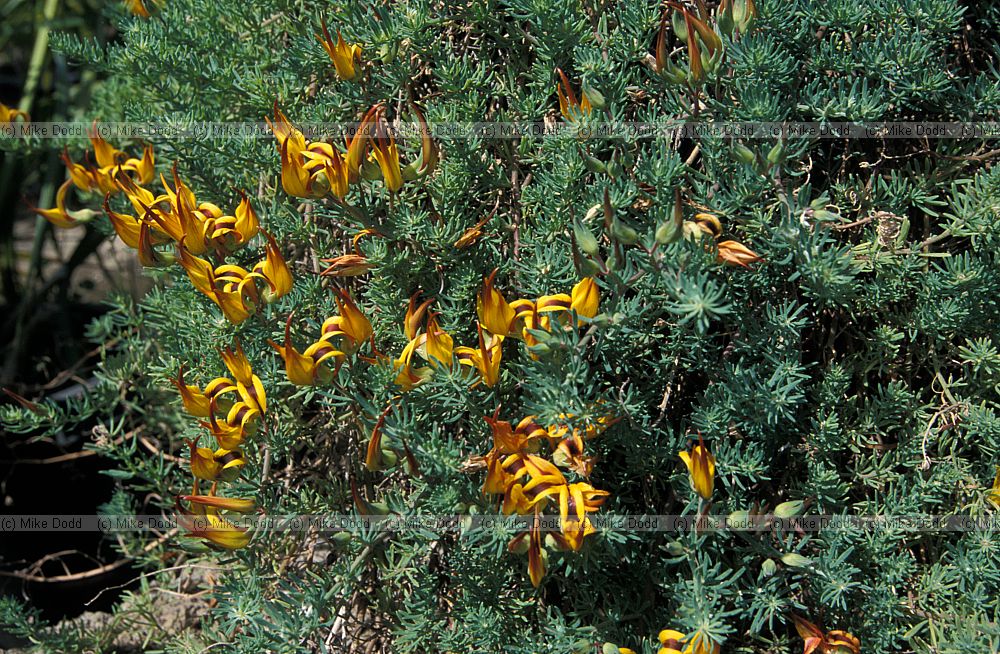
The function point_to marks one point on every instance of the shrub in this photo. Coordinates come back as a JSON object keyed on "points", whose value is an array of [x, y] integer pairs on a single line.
{"points": [[809, 320]]}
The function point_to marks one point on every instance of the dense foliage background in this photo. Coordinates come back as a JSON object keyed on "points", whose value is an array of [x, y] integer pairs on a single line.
{"points": [[855, 367]]}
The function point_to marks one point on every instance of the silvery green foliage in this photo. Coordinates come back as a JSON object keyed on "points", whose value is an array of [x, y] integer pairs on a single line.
{"points": [[855, 367]]}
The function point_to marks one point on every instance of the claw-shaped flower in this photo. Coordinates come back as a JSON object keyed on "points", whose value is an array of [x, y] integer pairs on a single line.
{"points": [[198, 402], [701, 468], [204, 521], [495, 314], [307, 368], [832, 642], [215, 465], [571, 108], [485, 359], [345, 57], [9, 114], [248, 385], [351, 328], [735, 253]]}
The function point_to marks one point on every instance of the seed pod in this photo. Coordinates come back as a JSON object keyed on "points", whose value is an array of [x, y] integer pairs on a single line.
{"points": [[675, 548], [610, 648]]}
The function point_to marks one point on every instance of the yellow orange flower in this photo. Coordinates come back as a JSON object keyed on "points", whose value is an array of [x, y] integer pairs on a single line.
{"points": [[62, 217], [832, 642], [215, 465], [415, 316], [994, 493], [10, 114], [308, 170], [585, 298], [672, 642], [248, 385], [198, 402], [345, 57], [571, 108], [575, 502], [204, 520], [231, 431], [306, 368], [701, 468], [274, 270], [407, 376], [386, 154], [438, 344], [350, 327], [427, 161], [495, 314], [737, 254], [485, 359]]}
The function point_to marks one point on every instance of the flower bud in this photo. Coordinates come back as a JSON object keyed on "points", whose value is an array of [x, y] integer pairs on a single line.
{"points": [[610, 648], [585, 239], [787, 510], [743, 154], [623, 233], [777, 154], [594, 165], [795, 560], [768, 568], [595, 97]]}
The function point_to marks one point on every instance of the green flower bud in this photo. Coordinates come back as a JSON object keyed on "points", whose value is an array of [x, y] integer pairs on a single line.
{"points": [[595, 97], [795, 560], [787, 510], [623, 233], [768, 568], [610, 648], [341, 538], [389, 458], [594, 165], [585, 239], [743, 154], [739, 520], [725, 20], [667, 232], [777, 154], [675, 548], [680, 27]]}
